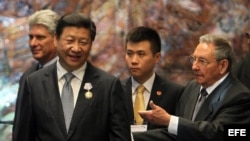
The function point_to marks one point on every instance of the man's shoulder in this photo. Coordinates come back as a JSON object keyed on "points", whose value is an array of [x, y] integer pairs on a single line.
{"points": [[192, 84], [99, 72], [124, 81], [159, 80], [31, 69], [44, 71], [238, 85]]}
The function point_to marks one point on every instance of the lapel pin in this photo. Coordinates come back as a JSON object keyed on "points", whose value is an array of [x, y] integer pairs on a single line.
{"points": [[88, 87], [158, 93]]}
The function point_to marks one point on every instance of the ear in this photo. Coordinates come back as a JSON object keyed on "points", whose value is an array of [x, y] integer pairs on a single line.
{"points": [[157, 57], [224, 64]]}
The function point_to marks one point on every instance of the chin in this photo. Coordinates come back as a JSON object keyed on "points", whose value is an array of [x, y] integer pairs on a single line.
{"points": [[198, 80]]}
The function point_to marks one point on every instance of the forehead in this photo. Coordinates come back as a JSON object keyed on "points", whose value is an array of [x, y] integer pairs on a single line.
{"points": [[76, 31], [141, 45], [204, 50], [38, 28]]}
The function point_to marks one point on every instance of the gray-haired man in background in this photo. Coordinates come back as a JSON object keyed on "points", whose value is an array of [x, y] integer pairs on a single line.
{"points": [[42, 25]]}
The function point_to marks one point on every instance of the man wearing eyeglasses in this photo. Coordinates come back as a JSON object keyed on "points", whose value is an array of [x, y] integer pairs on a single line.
{"points": [[224, 100]]}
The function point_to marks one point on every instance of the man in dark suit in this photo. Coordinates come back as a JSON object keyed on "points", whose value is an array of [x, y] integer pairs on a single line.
{"points": [[242, 67], [226, 101], [42, 26], [143, 52], [99, 111]]}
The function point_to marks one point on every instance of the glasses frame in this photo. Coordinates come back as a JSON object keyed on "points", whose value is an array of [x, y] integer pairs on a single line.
{"points": [[202, 61]]}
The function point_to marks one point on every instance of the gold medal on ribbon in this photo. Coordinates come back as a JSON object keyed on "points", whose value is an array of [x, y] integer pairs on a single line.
{"points": [[88, 95], [88, 87]]}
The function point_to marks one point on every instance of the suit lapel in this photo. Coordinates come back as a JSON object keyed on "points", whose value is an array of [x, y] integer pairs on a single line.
{"points": [[157, 92], [213, 101], [83, 103], [53, 97], [193, 96]]}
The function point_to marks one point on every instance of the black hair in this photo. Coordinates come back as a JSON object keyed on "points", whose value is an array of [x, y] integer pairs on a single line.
{"points": [[76, 20], [143, 33]]}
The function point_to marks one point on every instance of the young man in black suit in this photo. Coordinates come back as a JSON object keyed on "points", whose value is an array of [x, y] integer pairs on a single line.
{"points": [[143, 53], [94, 109], [226, 101]]}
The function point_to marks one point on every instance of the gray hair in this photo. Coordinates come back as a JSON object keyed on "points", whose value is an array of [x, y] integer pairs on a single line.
{"points": [[47, 18], [223, 47]]}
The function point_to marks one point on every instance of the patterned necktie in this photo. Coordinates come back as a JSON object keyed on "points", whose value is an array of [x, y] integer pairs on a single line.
{"points": [[67, 99], [139, 104], [202, 98]]}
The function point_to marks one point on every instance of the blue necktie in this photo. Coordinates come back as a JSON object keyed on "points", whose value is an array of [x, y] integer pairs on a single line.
{"points": [[67, 99], [202, 98]]}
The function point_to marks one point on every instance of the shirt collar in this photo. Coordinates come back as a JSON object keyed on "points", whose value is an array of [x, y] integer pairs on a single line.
{"points": [[50, 62], [148, 84], [79, 73], [217, 83]]}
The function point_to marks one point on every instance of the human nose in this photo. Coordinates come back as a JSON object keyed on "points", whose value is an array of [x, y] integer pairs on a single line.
{"points": [[195, 65], [76, 47], [33, 42], [134, 58]]}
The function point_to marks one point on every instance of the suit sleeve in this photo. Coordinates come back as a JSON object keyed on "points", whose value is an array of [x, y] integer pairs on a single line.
{"points": [[235, 108], [24, 123], [119, 116]]}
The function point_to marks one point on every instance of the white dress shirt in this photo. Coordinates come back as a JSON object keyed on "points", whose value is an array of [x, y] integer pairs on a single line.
{"points": [[75, 82]]}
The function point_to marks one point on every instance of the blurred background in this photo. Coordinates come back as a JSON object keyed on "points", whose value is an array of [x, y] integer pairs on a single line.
{"points": [[179, 23]]}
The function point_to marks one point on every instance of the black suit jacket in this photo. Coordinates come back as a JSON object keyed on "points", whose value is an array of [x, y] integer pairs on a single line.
{"points": [[30, 70], [228, 104], [100, 118], [170, 93], [242, 70]]}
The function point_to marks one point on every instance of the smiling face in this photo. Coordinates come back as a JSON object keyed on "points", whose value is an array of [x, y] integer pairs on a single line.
{"points": [[140, 60], [73, 47], [41, 43]]}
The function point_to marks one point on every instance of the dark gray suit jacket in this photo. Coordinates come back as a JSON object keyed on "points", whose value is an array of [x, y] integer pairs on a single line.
{"points": [[228, 104], [170, 93], [242, 70], [30, 70], [100, 118]]}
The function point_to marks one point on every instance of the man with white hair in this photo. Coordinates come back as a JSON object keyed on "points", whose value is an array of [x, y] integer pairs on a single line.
{"points": [[42, 26]]}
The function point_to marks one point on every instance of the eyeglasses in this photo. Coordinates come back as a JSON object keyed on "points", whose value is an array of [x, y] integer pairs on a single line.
{"points": [[201, 61]]}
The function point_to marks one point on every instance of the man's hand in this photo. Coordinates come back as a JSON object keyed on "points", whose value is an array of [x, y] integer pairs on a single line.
{"points": [[156, 116]]}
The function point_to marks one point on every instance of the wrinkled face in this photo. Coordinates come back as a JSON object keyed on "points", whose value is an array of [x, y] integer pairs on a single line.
{"points": [[207, 70], [140, 60], [41, 43], [73, 47]]}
